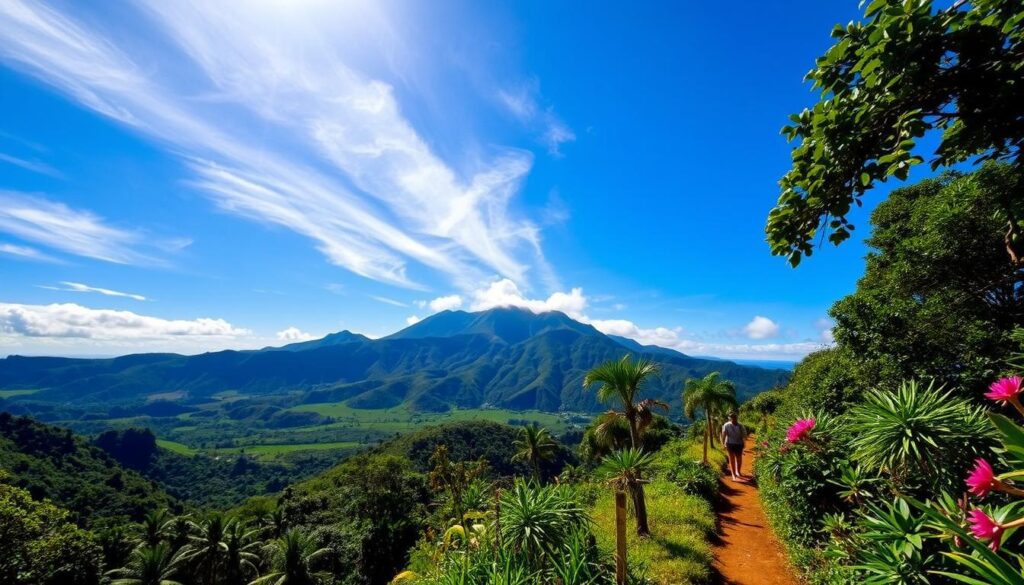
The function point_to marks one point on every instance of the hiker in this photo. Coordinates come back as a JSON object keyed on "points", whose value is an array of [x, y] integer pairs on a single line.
{"points": [[733, 435]]}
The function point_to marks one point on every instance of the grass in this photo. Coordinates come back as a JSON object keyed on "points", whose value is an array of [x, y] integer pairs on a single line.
{"points": [[401, 419], [679, 548], [12, 393], [175, 446], [279, 449]]}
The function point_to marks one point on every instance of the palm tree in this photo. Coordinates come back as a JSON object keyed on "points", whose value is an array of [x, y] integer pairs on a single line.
{"points": [[292, 558], [709, 394], [207, 547], [275, 522], [623, 379], [155, 527], [535, 444], [149, 565], [624, 469], [241, 559]]}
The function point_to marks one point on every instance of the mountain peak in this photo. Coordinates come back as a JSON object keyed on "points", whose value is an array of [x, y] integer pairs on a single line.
{"points": [[338, 338], [510, 325]]}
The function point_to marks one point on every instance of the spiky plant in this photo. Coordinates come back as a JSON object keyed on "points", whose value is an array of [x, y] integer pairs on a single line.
{"points": [[537, 521]]}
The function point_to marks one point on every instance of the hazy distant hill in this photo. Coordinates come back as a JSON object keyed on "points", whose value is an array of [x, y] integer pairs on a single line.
{"points": [[502, 357]]}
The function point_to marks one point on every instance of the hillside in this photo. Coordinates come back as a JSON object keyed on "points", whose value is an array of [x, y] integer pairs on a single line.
{"points": [[54, 464], [509, 358]]}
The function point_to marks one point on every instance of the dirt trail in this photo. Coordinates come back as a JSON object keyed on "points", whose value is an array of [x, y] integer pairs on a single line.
{"points": [[748, 552]]}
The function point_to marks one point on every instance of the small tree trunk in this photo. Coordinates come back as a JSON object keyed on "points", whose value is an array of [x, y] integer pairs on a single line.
{"points": [[620, 538], [640, 505], [707, 435]]}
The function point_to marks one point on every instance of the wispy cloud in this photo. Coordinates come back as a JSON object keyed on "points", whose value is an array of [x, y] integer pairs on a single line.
{"points": [[522, 102], [84, 288], [388, 301], [31, 165], [336, 161], [26, 253], [74, 231]]}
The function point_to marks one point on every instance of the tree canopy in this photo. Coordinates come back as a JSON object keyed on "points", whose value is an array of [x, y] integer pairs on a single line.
{"points": [[884, 84]]}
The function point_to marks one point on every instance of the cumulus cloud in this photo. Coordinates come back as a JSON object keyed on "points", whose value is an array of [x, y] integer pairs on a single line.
{"points": [[69, 320], [412, 320], [84, 288], [505, 293], [448, 303], [294, 334], [761, 328], [287, 131]]}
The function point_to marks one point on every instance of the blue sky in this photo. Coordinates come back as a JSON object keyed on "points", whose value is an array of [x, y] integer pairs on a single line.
{"points": [[186, 177]]}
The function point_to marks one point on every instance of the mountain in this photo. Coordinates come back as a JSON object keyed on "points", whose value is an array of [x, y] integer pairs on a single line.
{"points": [[329, 340], [505, 357]]}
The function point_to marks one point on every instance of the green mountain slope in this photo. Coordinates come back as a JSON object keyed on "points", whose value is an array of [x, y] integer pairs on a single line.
{"points": [[51, 463], [508, 358]]}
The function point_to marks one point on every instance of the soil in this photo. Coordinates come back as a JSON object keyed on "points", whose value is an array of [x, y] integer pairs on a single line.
{"points": [[747, 552]]}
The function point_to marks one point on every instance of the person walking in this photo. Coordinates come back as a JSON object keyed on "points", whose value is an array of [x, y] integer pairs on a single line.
{"points": [[733, 437]]}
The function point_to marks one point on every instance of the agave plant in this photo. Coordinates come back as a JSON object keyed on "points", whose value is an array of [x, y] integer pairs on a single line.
{"points": [[917, 432], [150, 565], [539, 520]]}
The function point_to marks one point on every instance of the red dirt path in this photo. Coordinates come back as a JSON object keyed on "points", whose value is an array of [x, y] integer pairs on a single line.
{"points": [[748, 552]]}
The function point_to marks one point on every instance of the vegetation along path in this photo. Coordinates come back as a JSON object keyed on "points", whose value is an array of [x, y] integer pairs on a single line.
{"points": [[748, 552]]}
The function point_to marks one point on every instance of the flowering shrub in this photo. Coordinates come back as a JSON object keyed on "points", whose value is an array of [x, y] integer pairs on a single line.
{"points": [[800, 430]]}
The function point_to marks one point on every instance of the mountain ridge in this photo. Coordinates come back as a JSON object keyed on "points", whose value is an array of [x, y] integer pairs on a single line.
{"points": [[503, 357]]}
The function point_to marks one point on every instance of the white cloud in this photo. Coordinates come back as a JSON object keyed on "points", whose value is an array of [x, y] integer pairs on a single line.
{"points": [[825, 331], [294, 334], [389, 301], [412, 320], [505, 293], [448, 303], [761, 328], [30, 165], [84, 288], [279, 127], [26, 253], [522, 102], [57, 226], [69, 320]]}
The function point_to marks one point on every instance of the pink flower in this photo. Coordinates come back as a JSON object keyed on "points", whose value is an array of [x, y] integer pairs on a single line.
{"points": [[1004, 389], [799, 430], [985, 528], [982, 479]]}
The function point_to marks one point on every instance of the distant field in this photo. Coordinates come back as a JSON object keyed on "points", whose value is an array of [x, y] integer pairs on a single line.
{"points": [[401, 419], [175, 446], [271, 450], [11, 393]]}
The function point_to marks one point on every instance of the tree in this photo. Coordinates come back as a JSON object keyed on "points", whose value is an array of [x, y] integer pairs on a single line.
{"points": [[534, 445], [150, 565], [623, 379], [207, 548], [624, 470], [156, 526], [708, 394], [885, 83], [40, 547], [241, 559], [938, 299], [293, 559]]}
